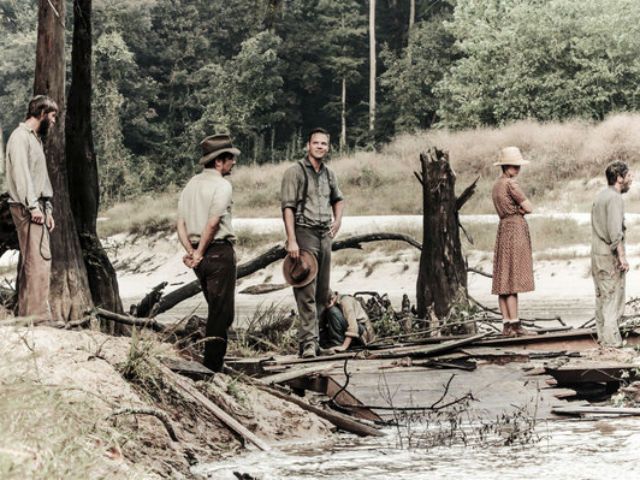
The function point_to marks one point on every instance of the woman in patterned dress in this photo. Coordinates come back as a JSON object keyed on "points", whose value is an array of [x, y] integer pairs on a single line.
{"points": [[512, 257]]}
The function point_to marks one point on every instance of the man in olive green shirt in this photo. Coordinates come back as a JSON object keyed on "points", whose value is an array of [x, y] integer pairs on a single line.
{"points": [[312, 206], [608, 257]]}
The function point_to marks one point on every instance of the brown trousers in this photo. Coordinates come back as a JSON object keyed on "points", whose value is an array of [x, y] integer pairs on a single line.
{"points": [[217, 275], [34, 268]]}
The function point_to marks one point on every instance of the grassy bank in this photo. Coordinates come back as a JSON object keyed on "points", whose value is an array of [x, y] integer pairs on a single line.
{"points": [[567, 164]]}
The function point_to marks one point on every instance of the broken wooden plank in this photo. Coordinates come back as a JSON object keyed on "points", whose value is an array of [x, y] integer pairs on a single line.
{"points": [[181, 384], [295, 373], [595, 411], [591, 372], [428, 351], [188, 368]]}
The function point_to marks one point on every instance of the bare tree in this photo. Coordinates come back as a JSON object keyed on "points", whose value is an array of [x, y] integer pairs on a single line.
{"points": [[70, 295], [372, 65], [442, 278], [83, 167]]}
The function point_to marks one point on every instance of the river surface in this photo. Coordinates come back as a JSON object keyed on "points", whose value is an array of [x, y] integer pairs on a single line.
{"points": [[575, 450]]}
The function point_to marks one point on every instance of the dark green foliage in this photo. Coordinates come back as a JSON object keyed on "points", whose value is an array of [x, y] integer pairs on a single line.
{"points": [[169, 72]]}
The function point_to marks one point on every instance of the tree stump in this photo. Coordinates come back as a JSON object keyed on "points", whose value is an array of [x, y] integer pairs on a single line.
{"points": [[442, 278]]}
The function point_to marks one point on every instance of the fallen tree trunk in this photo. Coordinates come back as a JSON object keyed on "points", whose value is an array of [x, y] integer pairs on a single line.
{"points": [[183, 385], [272, 255]]}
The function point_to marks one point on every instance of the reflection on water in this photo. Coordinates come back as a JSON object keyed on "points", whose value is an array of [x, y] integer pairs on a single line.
{"points": [[568, 450]]}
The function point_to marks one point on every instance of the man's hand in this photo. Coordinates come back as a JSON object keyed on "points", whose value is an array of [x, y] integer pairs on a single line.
{"points": [[293, 249], [623, 265], [192, 260], [340, 349], [37, 216], [335, 227], [50, 223]]}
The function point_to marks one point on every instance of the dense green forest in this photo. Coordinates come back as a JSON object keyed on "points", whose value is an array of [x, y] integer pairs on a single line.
{"points": [[169, 72]]}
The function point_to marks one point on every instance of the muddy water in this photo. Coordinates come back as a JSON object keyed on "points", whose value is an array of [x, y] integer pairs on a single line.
{"points": [[604, 449]]}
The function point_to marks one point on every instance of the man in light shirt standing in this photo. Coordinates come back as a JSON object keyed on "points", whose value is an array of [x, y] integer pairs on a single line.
{"points": [[205, 232], [608, 257], [31, 193]]}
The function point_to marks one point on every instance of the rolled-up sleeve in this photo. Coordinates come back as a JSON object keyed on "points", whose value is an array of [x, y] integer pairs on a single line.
{"points": [[18, 170], [221, 200], [336, 194], [289, 188], [615, 221], [350, 312]]}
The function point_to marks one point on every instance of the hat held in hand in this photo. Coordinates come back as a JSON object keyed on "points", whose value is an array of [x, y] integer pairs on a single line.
{"points": [[300, 272]]}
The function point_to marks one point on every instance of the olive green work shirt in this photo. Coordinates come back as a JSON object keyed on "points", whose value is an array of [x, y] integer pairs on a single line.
{"points": [[26, 172], [607, 222], [322, 193], [207, 195]]}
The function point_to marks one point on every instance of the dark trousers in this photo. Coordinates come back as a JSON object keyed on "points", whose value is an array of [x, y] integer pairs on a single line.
{"points": [[217, 275], [334, 327]]}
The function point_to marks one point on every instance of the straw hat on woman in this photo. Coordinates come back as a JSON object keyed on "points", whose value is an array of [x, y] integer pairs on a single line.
{"points": [[512, 257]]}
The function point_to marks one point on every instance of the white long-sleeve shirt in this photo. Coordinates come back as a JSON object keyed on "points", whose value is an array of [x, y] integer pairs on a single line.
{"points": [[26, 168]]}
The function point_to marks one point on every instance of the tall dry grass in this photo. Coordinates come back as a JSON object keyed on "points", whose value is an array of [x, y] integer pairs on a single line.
{"points": [[566, 170]]}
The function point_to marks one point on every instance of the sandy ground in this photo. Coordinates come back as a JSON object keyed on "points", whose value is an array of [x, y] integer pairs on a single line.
{"points": [[562, 286]]}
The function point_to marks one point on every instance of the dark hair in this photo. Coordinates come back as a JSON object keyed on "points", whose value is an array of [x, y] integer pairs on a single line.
{"points": [[222, 157], [41, 104], [317, 130], [614, 170]]}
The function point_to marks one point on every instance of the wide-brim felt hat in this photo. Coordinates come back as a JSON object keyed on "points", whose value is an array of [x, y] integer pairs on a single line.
{"points": [[300, 272], [214, 146], [511, 156]]}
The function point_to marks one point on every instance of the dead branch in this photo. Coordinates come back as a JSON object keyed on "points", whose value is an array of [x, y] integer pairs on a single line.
{"points": [[466, 194], [163, 417], [127, 320], [275, 253], [479, 272]]}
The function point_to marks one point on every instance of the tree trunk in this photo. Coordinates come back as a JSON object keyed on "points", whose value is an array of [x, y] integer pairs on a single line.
{"points": [[372, 65], [343, 117], [412, 14], [83, 167], [442, 278], [70, 296]]}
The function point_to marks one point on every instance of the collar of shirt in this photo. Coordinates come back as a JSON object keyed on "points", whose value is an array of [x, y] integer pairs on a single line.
{"points": [[30, 130], [211, 171], [308, 163]]}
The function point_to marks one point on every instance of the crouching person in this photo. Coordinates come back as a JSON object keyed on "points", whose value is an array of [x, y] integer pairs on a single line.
{"points": [[346, 324]]}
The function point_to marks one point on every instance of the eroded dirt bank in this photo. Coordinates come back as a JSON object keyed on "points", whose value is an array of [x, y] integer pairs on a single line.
{"points": [[87, 405]]}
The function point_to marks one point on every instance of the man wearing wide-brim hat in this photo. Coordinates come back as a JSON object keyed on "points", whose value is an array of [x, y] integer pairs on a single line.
{"points": [[205, 232]]}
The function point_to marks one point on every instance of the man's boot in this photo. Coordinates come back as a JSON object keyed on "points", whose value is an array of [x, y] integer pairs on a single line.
{"points": [[309, 350]]}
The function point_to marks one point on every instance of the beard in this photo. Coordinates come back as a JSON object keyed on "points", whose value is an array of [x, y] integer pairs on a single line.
{"points": [[44, 127]]}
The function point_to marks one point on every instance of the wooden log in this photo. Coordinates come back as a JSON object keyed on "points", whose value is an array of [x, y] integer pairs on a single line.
{"points": [[345, 422], [183, 385], [295, 373], [274, 254], [595, 411], [127, 320]]}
